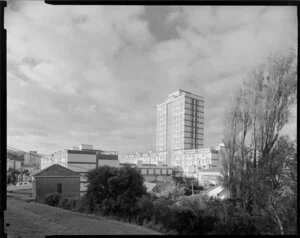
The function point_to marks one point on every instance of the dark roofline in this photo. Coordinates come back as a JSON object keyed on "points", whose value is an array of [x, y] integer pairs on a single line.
{"points": [[37, 174], [190, 93], [86, 152]]}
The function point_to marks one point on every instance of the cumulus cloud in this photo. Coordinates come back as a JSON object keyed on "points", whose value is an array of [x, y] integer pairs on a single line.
{"points": [[95, 74]]}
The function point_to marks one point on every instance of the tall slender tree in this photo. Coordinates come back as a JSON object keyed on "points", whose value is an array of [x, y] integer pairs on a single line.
{"points": [[259, 111]]}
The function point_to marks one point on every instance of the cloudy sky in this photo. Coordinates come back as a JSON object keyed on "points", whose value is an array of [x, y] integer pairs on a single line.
{"points": [[94, 74]]}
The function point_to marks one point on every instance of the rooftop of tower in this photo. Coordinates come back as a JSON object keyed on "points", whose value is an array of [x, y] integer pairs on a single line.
{"points": [[180, 91]]}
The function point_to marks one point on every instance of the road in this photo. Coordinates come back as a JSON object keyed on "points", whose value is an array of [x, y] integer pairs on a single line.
{"points": [[30, 219]]}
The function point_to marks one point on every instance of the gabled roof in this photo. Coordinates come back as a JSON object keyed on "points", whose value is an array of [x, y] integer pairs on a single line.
{"points": [[57, 171], [150, 186]]}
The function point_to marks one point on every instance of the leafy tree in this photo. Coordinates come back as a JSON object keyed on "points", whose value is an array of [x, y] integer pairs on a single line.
{"points": [[114, 190], [12, 176], [277, 196], [251, 161]]}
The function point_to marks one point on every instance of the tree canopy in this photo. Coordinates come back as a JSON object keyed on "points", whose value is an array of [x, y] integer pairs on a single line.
{"points": [[257, 162], [114, 189]]}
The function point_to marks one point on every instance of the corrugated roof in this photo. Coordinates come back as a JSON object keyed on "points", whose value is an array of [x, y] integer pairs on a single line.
{"points": [[56, 170]]}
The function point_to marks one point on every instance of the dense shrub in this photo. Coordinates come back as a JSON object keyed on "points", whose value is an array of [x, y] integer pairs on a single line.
{"points": [[177, 191], [71, 203], [52, 199], [84, 205], [193, 202], [114, 190], [63, 203], [239, 224], [162, 211], [234, 220], [145, 206]]}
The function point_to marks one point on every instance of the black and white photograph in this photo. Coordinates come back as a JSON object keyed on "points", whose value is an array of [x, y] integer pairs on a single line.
{"points": [[148, 119]]}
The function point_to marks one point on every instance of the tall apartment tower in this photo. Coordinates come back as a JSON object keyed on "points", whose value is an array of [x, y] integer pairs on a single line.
{"points": [[180, 123]]}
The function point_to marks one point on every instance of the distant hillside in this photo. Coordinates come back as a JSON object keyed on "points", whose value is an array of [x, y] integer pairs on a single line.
{"points": [[17, 155]]}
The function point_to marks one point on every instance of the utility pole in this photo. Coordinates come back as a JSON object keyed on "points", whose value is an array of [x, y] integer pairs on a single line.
{"points": [[3, 120]]}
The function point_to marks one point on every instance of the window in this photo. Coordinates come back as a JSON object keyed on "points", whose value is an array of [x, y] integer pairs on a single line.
{"points": [[59, 188], [144, 171], [150, 171]]}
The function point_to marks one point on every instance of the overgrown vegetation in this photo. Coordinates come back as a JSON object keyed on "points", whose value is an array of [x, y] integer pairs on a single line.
{"points": [[12, 176], [259, 164], [52, 199], [259, 169]]}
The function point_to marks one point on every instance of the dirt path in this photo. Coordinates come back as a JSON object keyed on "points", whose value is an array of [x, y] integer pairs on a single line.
{"points": [[37, 220]]}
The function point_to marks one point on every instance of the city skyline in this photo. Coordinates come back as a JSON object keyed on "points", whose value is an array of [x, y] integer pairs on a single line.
{"points": [[94, 75]]}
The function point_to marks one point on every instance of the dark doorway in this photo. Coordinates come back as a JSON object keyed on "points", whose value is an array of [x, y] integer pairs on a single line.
{"points": [[59, 187]]}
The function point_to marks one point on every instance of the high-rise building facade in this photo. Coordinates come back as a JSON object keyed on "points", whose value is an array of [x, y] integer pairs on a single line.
{"points": [[180, 123]]}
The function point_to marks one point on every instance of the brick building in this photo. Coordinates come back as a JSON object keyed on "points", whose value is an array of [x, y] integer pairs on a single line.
{"points": [[55, 178]]}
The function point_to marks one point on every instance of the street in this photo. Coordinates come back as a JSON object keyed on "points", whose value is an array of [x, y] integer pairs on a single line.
{"points": [[29, 219]]}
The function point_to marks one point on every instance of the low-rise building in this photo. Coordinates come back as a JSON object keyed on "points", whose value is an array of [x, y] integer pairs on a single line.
{"points": [[209, 177], [187, 161], [147, 158], [55, 178], [81, 159], [152, 172]]}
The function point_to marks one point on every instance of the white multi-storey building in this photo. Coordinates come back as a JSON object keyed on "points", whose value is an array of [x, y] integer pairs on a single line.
{"points": [[180, 137], [153, 158], [180, 123], [202, 158], [188, 161]]}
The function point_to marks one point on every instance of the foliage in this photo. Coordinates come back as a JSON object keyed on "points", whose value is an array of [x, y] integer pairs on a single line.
{"points": [[115, 190], [52, 199], [257, 165], [145, 206], [69, 203], [12, 176]]}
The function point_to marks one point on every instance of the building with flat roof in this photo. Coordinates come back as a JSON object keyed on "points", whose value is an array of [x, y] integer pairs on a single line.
{"points": [[180, 137], [150, 157], [180, 123], [81, 159], [32, 159], [209, 177], [187, 161], [152, 172]]}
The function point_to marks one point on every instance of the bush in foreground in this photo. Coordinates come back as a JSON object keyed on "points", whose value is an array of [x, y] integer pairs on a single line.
{"points": [[52, 199], [70, 203], [114, 191]]}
